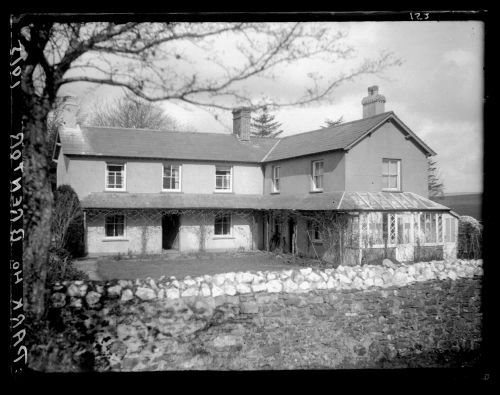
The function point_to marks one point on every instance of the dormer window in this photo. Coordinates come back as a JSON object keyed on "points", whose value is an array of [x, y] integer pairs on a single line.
{"points": [[391, 174], [115, 176], [317, 175], [223, 179]]}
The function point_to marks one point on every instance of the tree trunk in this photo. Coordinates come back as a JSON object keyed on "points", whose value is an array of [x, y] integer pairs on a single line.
{"points": [[37, 209]]}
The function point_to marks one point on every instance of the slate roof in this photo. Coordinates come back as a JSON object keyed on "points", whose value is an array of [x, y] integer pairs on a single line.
{"points": [[340, 200], [327, 139], [145, 143]]}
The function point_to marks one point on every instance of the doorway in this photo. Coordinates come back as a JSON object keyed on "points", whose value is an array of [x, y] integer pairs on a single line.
{"points": [[170, 231], [291, 235]]}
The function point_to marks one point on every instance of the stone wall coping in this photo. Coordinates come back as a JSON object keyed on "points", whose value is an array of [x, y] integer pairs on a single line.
{"points": [[94, 293]]}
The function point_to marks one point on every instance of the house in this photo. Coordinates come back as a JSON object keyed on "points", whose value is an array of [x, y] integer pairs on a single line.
{"points": [[148, 191]]}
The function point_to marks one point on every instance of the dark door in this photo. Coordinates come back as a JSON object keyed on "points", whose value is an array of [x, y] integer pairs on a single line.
{"points": [[170, 231], [291, 230]]}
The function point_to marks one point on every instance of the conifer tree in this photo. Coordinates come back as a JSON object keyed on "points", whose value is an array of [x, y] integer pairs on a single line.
{"points": [[435, 185], [265, 125], [329, 122]]}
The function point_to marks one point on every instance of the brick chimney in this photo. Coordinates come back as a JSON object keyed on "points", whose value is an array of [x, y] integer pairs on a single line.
{"points": [[241, 123], [374, 103], [69, 110]]}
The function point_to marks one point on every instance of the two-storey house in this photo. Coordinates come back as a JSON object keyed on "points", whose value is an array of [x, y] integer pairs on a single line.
{"points": [[146, 191]]}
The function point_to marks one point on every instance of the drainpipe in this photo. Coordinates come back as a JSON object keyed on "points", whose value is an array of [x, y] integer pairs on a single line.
{"points": [[85, 232]]}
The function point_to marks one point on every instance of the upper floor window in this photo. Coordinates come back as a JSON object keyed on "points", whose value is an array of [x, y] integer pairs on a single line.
{"points": [[114, 225], [276, 178], [391, 174], [317, 175], [222, 226], [223, 178], [115, 176], [171, 178]]}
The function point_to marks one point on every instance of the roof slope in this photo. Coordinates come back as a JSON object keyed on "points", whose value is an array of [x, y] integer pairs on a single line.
{"points": [[339, 200], [144, 143], [327, 139]]}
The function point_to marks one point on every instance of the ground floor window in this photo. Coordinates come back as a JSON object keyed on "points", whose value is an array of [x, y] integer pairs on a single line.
{"points": [[314, 232], [378, 228], [114, 225], [372, 229], [404, 228], [222, 225]]}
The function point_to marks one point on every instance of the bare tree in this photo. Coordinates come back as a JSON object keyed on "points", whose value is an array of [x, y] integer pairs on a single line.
{"points": [[129, 112], [435, 185], [152, 61]]}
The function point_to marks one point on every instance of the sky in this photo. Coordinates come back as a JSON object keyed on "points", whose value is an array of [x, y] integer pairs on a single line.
{"points": [[437, 91]]}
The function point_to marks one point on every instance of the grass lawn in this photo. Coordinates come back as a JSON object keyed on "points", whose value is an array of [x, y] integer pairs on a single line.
{"points": [[109, 268]]}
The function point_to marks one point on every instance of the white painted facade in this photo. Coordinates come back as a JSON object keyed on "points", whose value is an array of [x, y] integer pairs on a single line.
{"points": [[144, 236]]}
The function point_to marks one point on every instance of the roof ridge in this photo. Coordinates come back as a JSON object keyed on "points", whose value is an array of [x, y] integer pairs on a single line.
{"points": [[117, 128], [339, 125]]}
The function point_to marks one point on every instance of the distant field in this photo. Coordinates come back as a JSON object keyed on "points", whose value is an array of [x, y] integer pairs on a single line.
{"points": [[466, 204]]}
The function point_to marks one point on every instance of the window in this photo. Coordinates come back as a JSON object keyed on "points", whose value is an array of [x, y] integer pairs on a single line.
{"points": [[276, 178], [317, 175], [223, 179], [171, 178], [373, 227], [314, 232], [115, 176], [222, 225], [450, 230], [404, 228], [391, 174], [114, 225], [429, 228]]}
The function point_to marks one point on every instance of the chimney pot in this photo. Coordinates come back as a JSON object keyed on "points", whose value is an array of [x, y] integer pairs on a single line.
{"points": [[374, 103], [241, 123]]}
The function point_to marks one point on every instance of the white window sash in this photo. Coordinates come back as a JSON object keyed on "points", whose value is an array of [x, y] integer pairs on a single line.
{"points": [[386, 177], [172, 179], [226, 180], [123, 173], [317, 177], [225, 222], [276, 178], [114, 225]]}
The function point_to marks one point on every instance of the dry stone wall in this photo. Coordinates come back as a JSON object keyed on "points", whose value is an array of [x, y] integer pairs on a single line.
{"points": [[348, 317], [93, 294]]}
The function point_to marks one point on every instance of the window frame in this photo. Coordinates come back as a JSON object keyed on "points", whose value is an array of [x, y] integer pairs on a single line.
{"points": [[398, 175], [314, 228], [274, 178], [230, 227], [230, 190], [124, 176], [119, 237], [421, 232], [314, 187], [163, 177]]}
